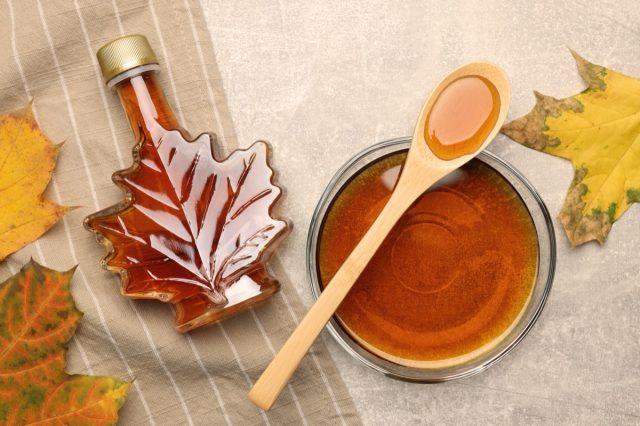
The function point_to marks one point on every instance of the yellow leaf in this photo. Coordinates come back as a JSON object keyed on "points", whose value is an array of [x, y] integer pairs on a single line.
{"points": [[27, 159], [598, 130]]}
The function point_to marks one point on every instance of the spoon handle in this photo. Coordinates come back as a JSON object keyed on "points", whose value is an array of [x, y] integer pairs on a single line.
{"points": [[275, 377]]}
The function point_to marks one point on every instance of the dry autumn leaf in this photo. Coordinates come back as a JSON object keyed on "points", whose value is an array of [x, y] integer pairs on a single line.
{"points": [[27, 159], [598, 130], [194, 225], [37, 318]]}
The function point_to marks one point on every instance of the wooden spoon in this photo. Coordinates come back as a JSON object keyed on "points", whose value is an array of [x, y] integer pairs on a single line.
{"points": [[422, 169]]}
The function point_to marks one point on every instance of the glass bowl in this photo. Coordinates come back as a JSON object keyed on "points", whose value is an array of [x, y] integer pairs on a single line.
{"points": [[540, 291]]}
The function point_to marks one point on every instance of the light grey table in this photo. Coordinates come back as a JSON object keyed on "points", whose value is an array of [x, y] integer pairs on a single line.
{"points": [[322, 79]]}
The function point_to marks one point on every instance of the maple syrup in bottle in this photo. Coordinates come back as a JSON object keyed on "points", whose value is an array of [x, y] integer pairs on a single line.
{"points": [[192, 230]]}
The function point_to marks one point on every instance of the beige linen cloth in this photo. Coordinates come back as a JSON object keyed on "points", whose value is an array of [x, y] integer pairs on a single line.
{"points": [[48, 54]]}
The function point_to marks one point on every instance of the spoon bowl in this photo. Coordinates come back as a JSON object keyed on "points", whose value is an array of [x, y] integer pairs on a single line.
{"points": [[422, 169], [421, 159]]}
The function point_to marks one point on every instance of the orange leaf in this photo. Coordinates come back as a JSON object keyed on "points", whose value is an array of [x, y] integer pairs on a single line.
{"points": [[37, 319], [27, 159]]}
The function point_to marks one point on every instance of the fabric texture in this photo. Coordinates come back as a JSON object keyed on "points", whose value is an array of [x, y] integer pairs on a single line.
{"points": [[203, 377]]}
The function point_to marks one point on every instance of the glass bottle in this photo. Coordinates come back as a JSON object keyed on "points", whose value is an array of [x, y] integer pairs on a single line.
{"points": [[191, 230]]}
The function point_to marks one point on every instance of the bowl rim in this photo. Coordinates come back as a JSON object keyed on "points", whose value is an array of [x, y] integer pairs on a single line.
{"points": [[376, 362]]}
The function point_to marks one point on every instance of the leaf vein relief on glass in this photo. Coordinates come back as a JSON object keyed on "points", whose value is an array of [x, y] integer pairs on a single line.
{"points": [[191, 226]]}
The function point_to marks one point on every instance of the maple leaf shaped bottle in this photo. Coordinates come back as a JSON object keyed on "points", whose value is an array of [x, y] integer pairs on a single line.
{"points": [[192, 231]]}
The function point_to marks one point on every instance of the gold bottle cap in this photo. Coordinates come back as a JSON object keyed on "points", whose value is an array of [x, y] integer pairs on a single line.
{"points": [[125, 53]]}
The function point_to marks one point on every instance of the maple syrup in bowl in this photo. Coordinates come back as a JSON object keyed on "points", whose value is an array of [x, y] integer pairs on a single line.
{"points": [[457, 283]]}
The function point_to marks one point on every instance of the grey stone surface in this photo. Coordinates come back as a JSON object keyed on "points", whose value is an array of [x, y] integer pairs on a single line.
{"points": [[322, 79]]}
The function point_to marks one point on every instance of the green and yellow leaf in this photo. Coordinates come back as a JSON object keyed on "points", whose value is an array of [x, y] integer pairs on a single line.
{"points": [[37, 319], [598, 130], [27, 160]]}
